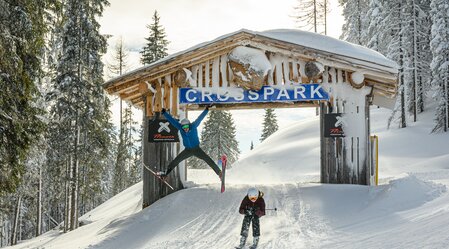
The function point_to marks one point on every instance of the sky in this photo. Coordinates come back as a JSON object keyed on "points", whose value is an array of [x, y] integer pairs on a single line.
{"points": [[190, 22]]}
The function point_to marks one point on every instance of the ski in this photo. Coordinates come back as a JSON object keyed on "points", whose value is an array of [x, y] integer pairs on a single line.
{"points": [[157, 176], [222, 163]]}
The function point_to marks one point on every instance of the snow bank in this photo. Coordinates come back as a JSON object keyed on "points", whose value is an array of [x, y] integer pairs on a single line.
{"points": [[289, 155], [404, 193]]}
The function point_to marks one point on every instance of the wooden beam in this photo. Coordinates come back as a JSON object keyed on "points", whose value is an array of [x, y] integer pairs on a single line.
{"points": [[167, 92], [121, 87], [158, 97], [149, 104], [143, 87], [174, 105], [131, 95]]}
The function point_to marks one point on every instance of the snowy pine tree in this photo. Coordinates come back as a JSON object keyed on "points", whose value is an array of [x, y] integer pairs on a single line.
{"points": [[21, 44], [269, 125], [218, 138], [416, 54], [400, 30], [125, 153], [156, 46], [354, 12], [374, 34], [80, 112], [125, 147], [395, 51], [440, 63]]}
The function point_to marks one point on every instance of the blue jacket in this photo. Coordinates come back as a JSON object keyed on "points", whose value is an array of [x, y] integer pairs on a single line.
{"points": [[189, 139]]}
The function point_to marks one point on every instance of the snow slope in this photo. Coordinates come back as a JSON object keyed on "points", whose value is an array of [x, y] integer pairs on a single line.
{"points": [[409, 210]]}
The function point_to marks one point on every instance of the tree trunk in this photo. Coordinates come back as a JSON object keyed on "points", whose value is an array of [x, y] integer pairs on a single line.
{"points": [[314, 15], [1, 231], [16, 221], [39, 204], [415, 66], [67, 195], [74, 206], [401, 72], [325, 23], [446, 101]]}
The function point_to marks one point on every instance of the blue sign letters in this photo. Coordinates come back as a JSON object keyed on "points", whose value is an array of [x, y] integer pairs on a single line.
{"points": [[303, 92]]}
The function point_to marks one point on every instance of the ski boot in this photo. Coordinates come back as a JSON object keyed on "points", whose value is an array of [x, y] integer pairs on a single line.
{"points": [[162, 174], [255, 242], [242, 242]]}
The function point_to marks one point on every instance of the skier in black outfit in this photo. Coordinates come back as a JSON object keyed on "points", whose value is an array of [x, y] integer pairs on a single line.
{"points": [[190, 141], [253, 207]]}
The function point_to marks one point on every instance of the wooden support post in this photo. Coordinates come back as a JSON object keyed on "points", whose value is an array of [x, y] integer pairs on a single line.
{"points": [[367, 162], [148, 105], [336, 167], [174, 104], [158, 97], [156, 156], [167, 92], [146, 175], [324, 178]]}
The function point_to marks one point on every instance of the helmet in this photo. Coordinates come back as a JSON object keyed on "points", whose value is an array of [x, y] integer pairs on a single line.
{"points": [[185, 122], [253, 192]]}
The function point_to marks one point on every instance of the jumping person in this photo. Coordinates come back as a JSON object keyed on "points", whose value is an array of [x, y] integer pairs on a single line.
{"points": [[189, 134], [253, 207]]}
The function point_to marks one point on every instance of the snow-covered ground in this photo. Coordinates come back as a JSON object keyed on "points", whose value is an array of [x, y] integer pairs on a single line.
{"points": [[410, 209]]}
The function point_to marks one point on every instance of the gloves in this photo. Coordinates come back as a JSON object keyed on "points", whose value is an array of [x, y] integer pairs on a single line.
{"points": [[163, 110], [259, 213], [209, 106], [248, 212]]}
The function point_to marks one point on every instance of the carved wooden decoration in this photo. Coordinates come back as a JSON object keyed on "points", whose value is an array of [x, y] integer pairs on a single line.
{"points": [[180, 78], [249, 67], [357, 80], [313, 70]]}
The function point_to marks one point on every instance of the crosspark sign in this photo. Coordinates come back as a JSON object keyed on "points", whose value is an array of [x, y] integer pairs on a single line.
{"points": [[305, 92]]}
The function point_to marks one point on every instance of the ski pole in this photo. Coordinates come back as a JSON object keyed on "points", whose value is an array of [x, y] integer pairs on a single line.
{"points": [[275, 209]]}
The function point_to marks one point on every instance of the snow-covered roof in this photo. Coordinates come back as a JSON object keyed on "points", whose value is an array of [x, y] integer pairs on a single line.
{"points": [[327, 44], [353, 53]]}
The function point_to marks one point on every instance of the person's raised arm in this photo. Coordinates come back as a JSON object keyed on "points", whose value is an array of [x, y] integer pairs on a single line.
{"points": [[172, 121], [200, 117]]}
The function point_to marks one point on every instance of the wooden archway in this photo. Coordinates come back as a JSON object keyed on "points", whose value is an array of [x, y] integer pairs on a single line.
{"points": [[208, 66]]}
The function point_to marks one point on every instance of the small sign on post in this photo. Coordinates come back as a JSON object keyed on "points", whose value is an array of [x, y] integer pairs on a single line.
{"points": [[160, 130], [333, 126]]}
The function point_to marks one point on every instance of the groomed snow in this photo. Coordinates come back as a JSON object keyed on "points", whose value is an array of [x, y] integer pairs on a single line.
{"points": [[410, 209]]}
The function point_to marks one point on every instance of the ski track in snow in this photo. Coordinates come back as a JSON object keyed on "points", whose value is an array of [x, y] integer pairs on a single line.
{"points": [[214, 221]]}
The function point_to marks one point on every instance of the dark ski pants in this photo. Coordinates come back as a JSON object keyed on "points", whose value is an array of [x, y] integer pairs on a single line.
{"points": [[198, 152], [245, 226]]}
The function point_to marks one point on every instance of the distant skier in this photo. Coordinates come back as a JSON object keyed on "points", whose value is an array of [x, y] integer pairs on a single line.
{"points": [[253, 207], [191, 143]]}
